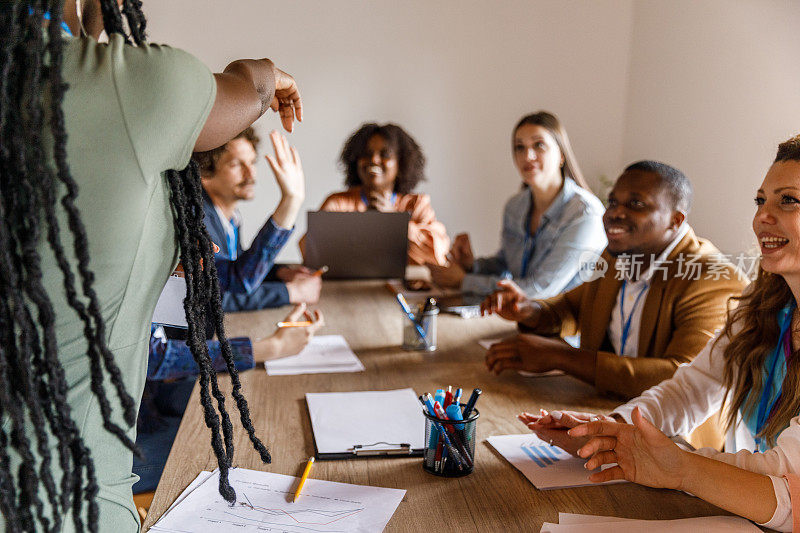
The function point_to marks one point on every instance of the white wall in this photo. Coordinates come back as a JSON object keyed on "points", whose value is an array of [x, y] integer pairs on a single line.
{"points": [[457, 74], [710, 86], [714, 87]]}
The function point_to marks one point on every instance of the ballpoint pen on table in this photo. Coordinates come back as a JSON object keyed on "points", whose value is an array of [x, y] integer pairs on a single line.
{"points": [[407, 310], [447, 442], [434, 438], [438, 397], [452, 432], [453, 412], [429, 303], [471, 403]]}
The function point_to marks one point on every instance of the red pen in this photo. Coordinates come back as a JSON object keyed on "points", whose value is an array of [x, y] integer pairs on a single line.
{"points": [[439, 456], [448, 396], [451, 431]]}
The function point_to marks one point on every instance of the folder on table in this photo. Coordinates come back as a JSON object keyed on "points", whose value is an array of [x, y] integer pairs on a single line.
{"points": [[349, 425]]}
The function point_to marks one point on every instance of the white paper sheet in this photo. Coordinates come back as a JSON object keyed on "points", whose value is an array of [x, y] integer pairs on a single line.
{"points": [[323, 354], [169, 308], [576, 518], [341, 420], [546, 466], [264, 503], [487, 343], [607, 524], [199, 480]]}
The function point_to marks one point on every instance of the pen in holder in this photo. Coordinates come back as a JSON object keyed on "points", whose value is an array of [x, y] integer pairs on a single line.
{"points": [[413, 340], [450, 445]]}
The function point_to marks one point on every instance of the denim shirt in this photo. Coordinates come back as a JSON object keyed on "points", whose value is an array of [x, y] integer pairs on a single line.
{"points": [[249, 269], [172, 358], [546, 263], [244, 276]]}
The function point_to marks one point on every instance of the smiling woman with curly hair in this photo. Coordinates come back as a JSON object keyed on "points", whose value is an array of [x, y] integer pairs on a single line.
{"points": [[382, 165]]}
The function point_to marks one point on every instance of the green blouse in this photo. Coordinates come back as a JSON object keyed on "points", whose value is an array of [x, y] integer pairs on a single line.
{"points": [[131, 113]]}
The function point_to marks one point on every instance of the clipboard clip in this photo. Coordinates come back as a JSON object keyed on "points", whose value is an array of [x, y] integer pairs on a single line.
{"points": [[389, 449]]}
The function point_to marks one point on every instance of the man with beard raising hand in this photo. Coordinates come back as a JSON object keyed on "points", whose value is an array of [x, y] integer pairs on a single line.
{"points": [[250, 280]]}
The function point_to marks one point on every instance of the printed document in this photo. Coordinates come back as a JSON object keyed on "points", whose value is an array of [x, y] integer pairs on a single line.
{"points": [[264, 503], [581, 523], [323, 354], [546, 466]]}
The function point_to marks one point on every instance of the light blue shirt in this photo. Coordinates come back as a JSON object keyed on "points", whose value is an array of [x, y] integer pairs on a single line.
{"points": [[546, 263]]}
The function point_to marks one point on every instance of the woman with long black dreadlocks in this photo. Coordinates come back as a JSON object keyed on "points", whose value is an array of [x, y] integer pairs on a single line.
{"points": [[90, 216]]}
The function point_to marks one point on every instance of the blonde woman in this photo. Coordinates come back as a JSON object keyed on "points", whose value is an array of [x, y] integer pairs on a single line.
{"points": [[551, 225], [752, 366]]}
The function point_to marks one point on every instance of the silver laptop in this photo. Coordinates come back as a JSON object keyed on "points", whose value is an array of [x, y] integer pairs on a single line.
{"points": [[358, 245]]}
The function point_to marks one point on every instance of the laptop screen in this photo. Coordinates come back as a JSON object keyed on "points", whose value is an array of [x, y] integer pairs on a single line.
{"points": [[357, 245]]}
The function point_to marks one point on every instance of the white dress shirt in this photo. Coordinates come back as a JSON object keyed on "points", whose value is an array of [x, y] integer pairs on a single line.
{"points": [[631, 307]]}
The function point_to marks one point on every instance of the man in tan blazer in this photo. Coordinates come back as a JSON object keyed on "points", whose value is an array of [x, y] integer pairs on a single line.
{"points": [[662, 297]]}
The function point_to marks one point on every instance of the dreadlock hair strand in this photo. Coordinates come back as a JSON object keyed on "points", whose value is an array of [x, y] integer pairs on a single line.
{"points": [[26, 186], [204, 162], [196, 333]]}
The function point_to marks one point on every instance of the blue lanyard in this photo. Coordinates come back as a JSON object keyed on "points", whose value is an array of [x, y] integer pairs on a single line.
{"points": [[233, 241], [626, 324], [366, 202], [765, 406], [526, 254], [46, 16], [529, 245]]}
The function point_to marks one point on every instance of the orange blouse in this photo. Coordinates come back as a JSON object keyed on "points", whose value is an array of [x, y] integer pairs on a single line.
{"points": [[427, 237]]}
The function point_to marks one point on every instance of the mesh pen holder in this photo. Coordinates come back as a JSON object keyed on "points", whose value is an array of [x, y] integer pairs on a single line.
{"points": [[411, 337], [453, 456]]}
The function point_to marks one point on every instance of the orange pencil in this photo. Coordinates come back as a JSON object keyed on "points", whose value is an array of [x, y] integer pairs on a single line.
{"points": [[304, 478], [294, 324]]}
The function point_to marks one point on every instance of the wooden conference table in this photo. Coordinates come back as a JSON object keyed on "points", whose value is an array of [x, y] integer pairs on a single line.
{"points": [[495, 497]]}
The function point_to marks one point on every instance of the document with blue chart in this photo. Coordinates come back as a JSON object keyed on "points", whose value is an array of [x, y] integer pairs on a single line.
{"points": [[264, 503], [546, 466]]}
